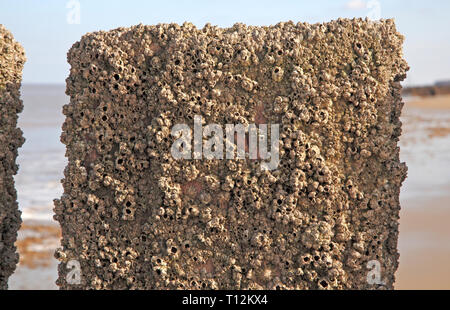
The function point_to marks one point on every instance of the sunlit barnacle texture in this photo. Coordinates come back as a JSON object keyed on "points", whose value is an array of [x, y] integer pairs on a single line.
{"points": [[136, 218], [12, 59]]}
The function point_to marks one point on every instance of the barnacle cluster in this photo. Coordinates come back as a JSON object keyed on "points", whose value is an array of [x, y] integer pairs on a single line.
{"points": [[136, 218], [12, 59]]}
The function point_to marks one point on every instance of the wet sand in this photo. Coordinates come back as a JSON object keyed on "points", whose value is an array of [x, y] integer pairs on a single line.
{"points": [[425, 245], [436, 102], [37, 267]]}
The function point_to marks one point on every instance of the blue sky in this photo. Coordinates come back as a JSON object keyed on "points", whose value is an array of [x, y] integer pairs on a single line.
{"points": [[42, 27]]}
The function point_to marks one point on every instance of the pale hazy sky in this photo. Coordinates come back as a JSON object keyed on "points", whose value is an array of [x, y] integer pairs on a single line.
{"points": [[42, 26]]}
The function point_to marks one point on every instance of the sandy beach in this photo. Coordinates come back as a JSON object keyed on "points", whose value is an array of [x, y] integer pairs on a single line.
{"points": [[37, 267], [424, 242]]}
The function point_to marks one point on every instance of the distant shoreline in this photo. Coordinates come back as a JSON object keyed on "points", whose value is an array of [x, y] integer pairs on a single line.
{"points": [[427, 91]]}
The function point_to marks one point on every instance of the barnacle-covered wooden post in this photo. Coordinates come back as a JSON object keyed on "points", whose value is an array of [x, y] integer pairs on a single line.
{"points": [[134, 216], [12, 59]]}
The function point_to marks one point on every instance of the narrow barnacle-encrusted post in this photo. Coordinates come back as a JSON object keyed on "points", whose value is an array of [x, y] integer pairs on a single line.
{"points": [[12, 59], [134, 216]]}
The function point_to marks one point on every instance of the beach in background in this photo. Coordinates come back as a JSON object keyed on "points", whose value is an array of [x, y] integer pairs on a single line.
{"points": [[41, 164], [424, 241]]}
